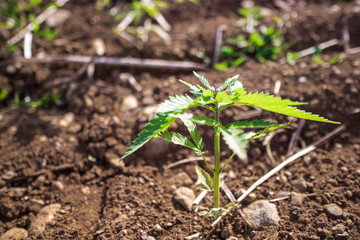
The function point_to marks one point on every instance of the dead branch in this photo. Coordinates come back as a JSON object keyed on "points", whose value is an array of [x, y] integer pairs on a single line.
{"points": [[123, 62], [218, 41], [198, 199], [321, 46], [353, 50], [299, 154], [185, 160], [67, 80], [295, 137], [40, 19]]}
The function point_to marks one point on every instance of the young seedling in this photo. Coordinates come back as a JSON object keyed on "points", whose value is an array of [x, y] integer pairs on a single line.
{"points": [[231, 93]]}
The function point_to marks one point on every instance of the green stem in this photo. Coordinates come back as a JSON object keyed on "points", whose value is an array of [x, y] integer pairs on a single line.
{"points": [[207, 163], [231, 157], [217, 167]]}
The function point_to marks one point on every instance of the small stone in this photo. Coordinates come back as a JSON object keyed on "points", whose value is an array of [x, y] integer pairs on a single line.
{"points": [[297, 198], [262, 213], [57, 186], [99, 46], [197, 228], [45, 216], [67, 119], [58, 18], [150, 238], [157, 227], [15, 234], [302, 79], [148, 100], [342, 236], [232, 238], [339, 228], [227, 231], [74, 128], [185, 197], [17, 192], [181, 179], [85, 190], [129, 103], [114, 160], [89, 103], [300, 184], [249, 199], [333, 210]]}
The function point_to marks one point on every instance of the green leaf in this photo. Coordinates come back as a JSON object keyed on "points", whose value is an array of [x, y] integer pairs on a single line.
{"points": [[194, 133], [251, 124], [222, 98], [228, 82], [179, 139], [236, 141], [204, 178], [318, 60], [222, 66], [277, 105], [335, 59], [204, 81], [235, 86], [3, 94], [156, 125], [263, 133], [197, 119], [193, 89], [177, 103]]}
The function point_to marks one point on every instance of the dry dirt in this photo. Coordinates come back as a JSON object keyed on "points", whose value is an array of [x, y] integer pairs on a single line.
{"points": [[44, 153]]}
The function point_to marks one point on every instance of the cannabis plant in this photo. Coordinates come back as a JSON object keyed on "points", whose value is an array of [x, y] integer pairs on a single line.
{"points": [[231, 93]]}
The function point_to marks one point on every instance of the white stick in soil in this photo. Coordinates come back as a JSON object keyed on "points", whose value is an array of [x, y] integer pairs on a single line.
{"points": [[198, 199], [27, 45], [159, 17], [322, 46], [272, 172]]}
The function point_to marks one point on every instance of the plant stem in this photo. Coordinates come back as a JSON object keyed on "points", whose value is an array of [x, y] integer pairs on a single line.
{"points": [[217, 167]]}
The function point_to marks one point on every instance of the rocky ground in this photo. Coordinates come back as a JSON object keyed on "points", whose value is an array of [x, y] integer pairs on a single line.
{"points": [[61, 177]]}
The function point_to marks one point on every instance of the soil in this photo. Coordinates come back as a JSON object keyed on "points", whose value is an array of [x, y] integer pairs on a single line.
{"points": [[68, 154]]}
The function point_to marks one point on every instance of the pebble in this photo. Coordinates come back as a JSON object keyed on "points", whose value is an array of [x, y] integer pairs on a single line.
{"points": [[300, 184], [297, 198], [181, 179], [150, 111], [74, 128], [262, 213], [185, 197], [343, 235], [249, 199], [339, 228], [99, 46], [17, 192], [57, 186], [45, 216], [67, 119], [58, 18], [129, 103], [333, 210], [15, 234], [227, 232]]}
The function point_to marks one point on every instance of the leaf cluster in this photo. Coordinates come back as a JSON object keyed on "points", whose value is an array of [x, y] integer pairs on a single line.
{"points": [[256, 40], [231, 93]]}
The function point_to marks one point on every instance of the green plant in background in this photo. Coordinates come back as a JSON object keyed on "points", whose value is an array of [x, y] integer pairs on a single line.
{"points": [[45, 101], [15, 15], [231, 93], [256, 40]]}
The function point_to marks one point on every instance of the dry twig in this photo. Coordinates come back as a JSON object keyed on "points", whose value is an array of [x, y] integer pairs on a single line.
{"points": [[299, 154], [185, 160], [321, 46], [218, 41], [124, 62]]}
